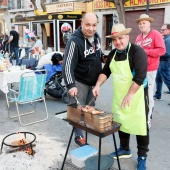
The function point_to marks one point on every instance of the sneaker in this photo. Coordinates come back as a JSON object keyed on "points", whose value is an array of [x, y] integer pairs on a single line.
{"points": [[80, 141], [166, 92], [121, 153], [141, 163], [156, 98]]}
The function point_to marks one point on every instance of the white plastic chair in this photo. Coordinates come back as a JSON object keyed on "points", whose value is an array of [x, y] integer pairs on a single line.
{"points": [[31, 90]]}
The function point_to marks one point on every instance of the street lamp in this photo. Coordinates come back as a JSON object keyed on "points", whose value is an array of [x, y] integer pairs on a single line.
{"points": [[147, 7], [115, 19]]}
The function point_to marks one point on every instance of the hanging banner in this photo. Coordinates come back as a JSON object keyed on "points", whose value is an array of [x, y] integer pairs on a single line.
{"points": [[101, 4], [60, 7]]}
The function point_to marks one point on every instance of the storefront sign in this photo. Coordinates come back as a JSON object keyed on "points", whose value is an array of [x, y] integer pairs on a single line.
{"points": [[60, 7], [101, 4], [47, 17], [132, 3], [80, 6]]}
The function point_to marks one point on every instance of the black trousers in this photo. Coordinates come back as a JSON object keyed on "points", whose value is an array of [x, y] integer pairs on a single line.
{"points": [[142, 141]]}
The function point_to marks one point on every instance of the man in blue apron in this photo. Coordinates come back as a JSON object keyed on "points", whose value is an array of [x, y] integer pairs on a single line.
{"points": [[128, 65]]}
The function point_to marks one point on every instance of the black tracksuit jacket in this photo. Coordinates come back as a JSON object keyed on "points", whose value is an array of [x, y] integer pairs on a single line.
{"points": [[82, 61]]}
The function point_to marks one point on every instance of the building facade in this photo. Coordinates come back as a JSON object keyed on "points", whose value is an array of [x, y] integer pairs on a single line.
{"points": [[3, 14], [108, 16], [11, 11]]}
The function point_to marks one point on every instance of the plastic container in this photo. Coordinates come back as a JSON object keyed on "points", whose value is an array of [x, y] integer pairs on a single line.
{"points": [[79, 155]]}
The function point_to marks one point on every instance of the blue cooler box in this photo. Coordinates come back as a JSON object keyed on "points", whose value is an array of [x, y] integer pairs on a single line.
{"points": [[79, 155]]}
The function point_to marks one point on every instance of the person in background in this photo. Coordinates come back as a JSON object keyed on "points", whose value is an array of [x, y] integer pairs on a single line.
{"points": [[4, 41], [66, 29], [38, 43], [13, 43], [128, 65], [56, 66], [82, 64], [46, 59], [163, 73], [152, 42], [1, 38]]}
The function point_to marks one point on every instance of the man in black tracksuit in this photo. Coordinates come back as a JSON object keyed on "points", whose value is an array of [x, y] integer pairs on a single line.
{"points": [[82, 65], [13, 41]]}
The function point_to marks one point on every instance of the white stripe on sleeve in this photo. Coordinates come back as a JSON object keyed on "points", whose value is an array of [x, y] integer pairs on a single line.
{"points": [[68, 63]]}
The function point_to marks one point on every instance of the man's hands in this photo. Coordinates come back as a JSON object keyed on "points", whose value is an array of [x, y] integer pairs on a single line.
{"points": [[95, 91], [128, 98], [126, 101], [73, 92]]}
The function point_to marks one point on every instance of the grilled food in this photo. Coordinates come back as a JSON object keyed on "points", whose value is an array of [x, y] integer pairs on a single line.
{"points": [[91, 110]]}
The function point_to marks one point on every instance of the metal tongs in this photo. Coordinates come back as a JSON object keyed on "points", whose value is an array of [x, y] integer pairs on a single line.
{"points": [[79, 106], [92, 100], [78, 103]]}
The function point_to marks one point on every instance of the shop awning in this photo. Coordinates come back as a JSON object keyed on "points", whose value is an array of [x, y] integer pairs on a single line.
{"points": [[73, 15]]}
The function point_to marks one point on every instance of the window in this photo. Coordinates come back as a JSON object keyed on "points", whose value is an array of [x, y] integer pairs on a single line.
{"points": [[55, 0], [109, 23], [14, 4], [18, 4]]}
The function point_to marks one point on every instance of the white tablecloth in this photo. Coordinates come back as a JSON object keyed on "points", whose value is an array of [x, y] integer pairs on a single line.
{"points": [[12, 76]]}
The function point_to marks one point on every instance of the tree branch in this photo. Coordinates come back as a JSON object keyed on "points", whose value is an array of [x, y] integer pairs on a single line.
{"points": [[43, 6], [34, 4], [120, 9]]}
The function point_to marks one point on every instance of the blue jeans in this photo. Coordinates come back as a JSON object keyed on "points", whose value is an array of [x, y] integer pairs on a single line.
{"points": [[15, 50], [163, 75]]}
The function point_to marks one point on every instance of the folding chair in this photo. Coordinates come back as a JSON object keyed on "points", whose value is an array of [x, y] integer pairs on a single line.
{"points": [[31, 90]]}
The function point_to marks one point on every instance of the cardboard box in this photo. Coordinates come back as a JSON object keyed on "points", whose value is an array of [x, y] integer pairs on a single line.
{"points": [[79, 155]]}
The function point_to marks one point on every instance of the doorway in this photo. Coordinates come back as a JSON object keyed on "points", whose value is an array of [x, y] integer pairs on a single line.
{"points": [[109, 24]]}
